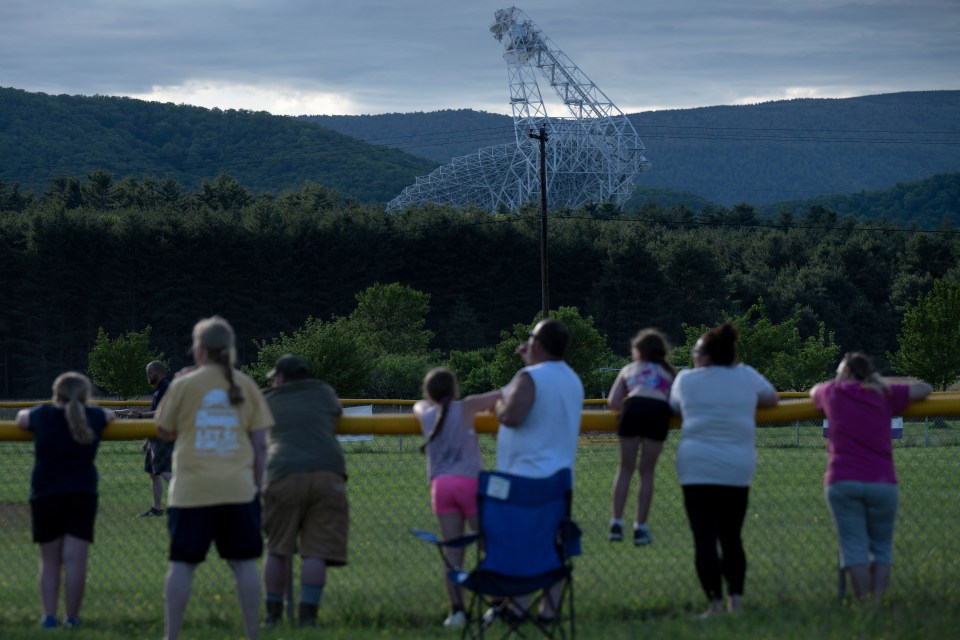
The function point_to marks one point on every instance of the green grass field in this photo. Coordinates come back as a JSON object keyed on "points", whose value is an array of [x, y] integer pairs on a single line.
{"points": [[392, 586]]}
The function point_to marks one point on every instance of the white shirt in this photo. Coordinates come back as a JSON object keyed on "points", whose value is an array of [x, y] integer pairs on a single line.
{"points": [[718, 405], [546, 440]]}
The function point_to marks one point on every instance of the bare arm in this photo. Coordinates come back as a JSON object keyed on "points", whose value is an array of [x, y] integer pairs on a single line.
{"points": [[419, 407], [617, 391], [23, 419], [513, 408], [481, 401], [919, 390], [768, 401]]}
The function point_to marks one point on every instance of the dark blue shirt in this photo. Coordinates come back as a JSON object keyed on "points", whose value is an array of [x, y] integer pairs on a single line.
{"points": [[158, 394], [61, 464]]}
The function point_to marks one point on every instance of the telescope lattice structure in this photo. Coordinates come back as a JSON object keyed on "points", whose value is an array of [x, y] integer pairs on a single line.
{"points": [[593, 153]]}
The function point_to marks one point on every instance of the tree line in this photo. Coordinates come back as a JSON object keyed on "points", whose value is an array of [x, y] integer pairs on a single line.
{"points": [[273, 265]]}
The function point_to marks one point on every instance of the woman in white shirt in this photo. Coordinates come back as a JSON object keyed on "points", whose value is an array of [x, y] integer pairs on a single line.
{"points": [[716, 457]]}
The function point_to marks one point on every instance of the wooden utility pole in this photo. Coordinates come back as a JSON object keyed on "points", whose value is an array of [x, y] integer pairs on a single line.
{"points": [[544, 263]]}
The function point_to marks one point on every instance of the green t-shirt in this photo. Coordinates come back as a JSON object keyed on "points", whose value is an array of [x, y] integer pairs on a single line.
{"points": [[304, 437]]}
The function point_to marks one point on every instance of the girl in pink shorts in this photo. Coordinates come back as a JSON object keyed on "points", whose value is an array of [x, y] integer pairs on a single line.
{"points": [[453, 463]]}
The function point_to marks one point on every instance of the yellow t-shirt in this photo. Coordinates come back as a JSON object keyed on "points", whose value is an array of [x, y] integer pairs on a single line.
{"points": [[213, 456]]}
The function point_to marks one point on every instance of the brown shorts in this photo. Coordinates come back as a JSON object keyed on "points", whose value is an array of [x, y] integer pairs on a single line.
{"points": [[312, 507]]}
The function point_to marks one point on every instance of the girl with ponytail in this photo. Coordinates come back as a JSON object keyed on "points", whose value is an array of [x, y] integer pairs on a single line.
{"points": [[640, 394], [63, 490], [453, 463]]}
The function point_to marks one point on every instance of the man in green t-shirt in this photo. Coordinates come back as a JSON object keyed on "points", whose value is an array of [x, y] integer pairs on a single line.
{"points": [[304, 497]]}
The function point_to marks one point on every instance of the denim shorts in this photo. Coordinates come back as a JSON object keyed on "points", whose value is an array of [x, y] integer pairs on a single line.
{"points": [[864, 513]]}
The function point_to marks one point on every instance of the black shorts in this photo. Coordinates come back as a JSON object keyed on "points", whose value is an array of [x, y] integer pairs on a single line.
{"points": [[72, 514], [235, 528], [158, 458], [642, 417]]}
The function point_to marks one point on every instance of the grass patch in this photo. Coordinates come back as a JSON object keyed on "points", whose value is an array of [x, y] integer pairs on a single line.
{"points": [[392, 586]]}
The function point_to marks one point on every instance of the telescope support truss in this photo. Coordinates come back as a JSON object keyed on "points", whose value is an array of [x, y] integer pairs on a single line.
{"points": [[593, 151]]}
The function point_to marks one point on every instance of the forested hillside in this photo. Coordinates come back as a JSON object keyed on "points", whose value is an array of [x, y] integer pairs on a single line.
{"points": [[272, 262], [43, 138], [117, 213], [924, 203], [760, 154], [763, 153]]}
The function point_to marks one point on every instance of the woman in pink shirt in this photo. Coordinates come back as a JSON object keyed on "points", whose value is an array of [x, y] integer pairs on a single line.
{"points": [[860, 482]]}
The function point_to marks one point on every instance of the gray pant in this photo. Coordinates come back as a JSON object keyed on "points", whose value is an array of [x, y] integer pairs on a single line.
{"points": [[864, 513]]}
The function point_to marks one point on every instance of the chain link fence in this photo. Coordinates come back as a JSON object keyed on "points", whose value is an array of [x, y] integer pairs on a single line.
{"points": [[392, 578]]}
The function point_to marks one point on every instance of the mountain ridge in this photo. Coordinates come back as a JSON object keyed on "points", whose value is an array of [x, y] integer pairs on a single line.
{"points": [[773, 152], [769, 152]]}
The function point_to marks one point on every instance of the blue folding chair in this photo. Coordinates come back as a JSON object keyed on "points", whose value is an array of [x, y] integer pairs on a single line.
{"points": [[526, 540]]}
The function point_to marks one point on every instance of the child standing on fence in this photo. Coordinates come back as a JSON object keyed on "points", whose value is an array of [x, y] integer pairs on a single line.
{"points": [[640, 393], [453, 464], [63, 490]]}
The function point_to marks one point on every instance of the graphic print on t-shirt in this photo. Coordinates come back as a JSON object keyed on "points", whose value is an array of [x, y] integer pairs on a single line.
{"points": [[216, 426]]}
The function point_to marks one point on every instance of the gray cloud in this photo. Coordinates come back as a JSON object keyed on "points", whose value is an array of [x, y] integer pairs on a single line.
{"points": [[377, 56]]}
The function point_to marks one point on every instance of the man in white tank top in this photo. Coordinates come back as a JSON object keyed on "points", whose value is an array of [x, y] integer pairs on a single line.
{"points": [[539, 415], [540, 410]]}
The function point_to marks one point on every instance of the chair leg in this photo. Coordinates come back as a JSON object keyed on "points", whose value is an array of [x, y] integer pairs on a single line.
{"points": [[474, 627]]}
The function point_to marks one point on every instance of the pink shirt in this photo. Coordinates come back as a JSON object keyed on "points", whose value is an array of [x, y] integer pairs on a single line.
{"points": [[859, 446]]}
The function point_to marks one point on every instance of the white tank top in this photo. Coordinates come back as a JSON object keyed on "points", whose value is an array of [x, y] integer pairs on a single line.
{"points": [[546, 440]]}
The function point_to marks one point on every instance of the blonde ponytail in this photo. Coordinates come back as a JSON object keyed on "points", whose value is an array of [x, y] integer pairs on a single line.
{"points": [[72, 390], [216, 337]]}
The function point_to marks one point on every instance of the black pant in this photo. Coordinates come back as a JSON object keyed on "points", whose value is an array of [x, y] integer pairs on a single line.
{"points": [[716, 513]]}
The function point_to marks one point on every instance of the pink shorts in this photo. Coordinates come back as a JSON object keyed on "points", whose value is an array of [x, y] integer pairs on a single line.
{"points": [[454, 494]]}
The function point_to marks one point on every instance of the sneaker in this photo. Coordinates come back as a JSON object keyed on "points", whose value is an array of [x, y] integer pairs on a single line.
{"points": [[48, 622], [503, 613], [71, 622], [151, 513], [455, 620], [642, 537], [714, 609], [616, 533]]}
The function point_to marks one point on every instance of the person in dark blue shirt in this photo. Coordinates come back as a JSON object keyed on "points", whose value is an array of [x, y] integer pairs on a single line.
{"points": [[158, 454], [63, 489]]}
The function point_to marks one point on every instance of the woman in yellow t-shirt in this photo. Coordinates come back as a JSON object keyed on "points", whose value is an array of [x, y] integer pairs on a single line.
{"points": [[217, 418]]}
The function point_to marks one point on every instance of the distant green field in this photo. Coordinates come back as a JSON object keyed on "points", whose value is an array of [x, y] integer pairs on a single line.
{"points": [[393, 582]]}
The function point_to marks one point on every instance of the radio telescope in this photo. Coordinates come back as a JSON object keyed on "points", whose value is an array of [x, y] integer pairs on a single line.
{"points": [[593, 152]]}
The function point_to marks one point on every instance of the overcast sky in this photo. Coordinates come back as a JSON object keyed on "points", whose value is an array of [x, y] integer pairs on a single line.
{"points": [[379, 56]]}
